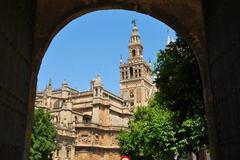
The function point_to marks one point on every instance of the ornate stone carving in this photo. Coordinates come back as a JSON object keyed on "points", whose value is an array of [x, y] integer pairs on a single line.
{"points": [[115, 140], [96, 139], [85, 138]]}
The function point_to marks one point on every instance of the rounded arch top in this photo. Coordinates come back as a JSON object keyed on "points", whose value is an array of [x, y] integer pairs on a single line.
{"points": [[184, 17]]}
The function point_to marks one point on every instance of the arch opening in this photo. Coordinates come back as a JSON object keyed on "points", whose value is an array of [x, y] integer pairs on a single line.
{"points": [[73, 15]]}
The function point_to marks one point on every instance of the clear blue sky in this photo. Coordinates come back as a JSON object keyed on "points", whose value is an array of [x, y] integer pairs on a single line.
{"points": [[93, 44]]}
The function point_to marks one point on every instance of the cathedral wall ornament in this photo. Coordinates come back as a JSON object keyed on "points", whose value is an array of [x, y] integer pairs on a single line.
{"points": [[85, 139]]}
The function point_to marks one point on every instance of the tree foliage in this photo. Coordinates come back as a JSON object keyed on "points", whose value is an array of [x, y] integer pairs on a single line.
{"points": [[150, 136], [180, 90], [174, 121], [43, 136], [192, 135], [178, 79]]}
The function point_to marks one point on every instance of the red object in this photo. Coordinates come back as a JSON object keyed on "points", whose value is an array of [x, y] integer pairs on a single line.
{"points": [[125, 158]]}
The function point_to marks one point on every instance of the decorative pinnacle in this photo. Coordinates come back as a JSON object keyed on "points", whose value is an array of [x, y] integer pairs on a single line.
{"points": [[64, 82], [168, 37], [50, 82], [121, 59], [149, 61]]}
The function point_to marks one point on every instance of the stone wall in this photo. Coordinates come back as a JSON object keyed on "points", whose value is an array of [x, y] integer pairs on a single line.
{"points": [[16, 33], [223, 43], [97, 154]]}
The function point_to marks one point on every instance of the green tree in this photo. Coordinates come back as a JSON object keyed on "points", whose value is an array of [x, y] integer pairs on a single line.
{"points": [[150, 136], [43, 136], [180, 91], [178, 79], [191, 135]]}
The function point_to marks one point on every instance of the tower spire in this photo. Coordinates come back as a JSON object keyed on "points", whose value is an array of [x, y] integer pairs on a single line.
{"points": [[135, 46]]}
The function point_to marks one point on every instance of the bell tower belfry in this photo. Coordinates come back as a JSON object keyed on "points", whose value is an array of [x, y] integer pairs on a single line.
{"points": [[136, 85]]}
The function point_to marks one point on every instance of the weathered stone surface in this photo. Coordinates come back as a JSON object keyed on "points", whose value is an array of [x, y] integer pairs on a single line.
{"points": [[223, 44], [16, 39]]}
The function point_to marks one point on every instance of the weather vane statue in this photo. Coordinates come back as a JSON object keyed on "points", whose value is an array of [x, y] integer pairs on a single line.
{"points": [[134, 22]]}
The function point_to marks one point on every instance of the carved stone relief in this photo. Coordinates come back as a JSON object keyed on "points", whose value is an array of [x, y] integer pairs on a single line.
{"points": [[85, 138]]}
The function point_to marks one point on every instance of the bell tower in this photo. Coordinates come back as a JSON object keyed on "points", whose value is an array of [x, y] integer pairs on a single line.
{"points": [[136, 85], [135, 46]]}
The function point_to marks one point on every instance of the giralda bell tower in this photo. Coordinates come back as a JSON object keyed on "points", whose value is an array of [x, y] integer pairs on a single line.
{"points": [[136, 86]]}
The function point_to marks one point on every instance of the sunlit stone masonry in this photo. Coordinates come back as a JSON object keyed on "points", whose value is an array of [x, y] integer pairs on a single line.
{"points": [[88, 122]]}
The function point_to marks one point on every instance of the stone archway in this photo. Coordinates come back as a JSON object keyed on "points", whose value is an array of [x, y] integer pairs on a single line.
{"points": [[185, 17], [211, 28]]}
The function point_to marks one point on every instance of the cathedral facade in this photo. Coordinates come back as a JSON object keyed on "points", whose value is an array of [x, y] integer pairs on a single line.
{"points": [[88, 122]]}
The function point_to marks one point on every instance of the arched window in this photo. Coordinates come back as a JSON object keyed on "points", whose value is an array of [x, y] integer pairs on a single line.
{"points": [[96, 92], [68, 153], [132, 103], [87, 119], [131, 94], [76, 119], [133, 53], [131, 72], [57, 153]]}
